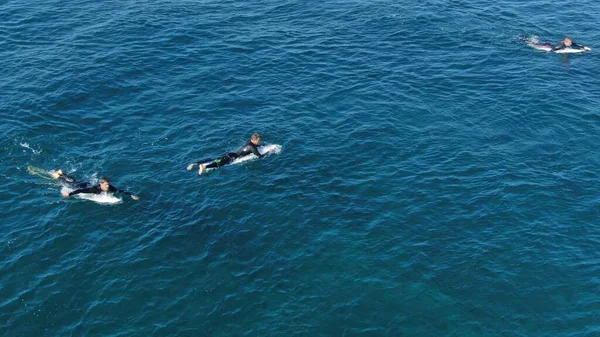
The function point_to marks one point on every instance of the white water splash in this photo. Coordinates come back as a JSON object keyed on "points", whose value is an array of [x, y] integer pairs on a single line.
{"points": [[26, 145]]}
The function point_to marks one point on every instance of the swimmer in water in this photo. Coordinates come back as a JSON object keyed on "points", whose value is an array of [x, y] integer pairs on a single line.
{"points": [[249, 148], [568, 43], [103, 187]]}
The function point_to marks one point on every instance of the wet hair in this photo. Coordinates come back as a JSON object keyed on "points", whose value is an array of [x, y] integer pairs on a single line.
{"points": [[103, 179], [255, 136]]}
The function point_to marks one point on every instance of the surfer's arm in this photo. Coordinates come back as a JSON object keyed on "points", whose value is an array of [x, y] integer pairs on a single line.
{"points": [[576, 46], [255, 151], [579, 46], [92, 190], [118, 190], [559, 46]]}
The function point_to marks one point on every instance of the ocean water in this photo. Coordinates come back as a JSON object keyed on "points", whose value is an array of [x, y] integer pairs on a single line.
{"points": [[437, 176]]}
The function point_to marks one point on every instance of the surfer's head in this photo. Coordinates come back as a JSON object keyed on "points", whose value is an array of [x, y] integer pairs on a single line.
{"points": [[255, 139], [104, 184], [567, 41]]}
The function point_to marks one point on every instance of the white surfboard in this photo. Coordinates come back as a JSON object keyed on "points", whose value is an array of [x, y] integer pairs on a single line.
{"points": [[570, 51]]}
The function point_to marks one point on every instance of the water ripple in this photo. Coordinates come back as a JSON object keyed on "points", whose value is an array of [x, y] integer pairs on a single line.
{"points": [[437, 176]]}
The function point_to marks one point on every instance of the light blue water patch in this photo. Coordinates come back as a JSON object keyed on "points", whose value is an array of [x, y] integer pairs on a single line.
{"points": [[438, 176]]}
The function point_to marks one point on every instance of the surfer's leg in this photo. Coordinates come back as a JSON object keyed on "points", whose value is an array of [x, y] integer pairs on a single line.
{"points": [[69, 182], [221, 161], [72, 184], [63, 181], [191, 166]]}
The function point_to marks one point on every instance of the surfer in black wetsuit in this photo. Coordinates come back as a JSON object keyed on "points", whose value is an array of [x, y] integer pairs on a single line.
{"points": [[568, 43], [103, 186], [249, 148]]}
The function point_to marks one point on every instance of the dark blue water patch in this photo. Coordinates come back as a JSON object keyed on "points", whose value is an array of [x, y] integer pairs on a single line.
{"points": [[437, 176]]}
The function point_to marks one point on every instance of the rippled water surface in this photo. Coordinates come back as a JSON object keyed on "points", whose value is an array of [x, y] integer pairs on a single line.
{"points": [[437, 176]]}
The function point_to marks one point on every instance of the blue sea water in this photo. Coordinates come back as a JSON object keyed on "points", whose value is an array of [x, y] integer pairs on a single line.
{"points": [[438, 177]]}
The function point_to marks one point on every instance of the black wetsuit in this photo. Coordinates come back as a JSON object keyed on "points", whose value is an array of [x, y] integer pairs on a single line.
{"points": [[71, 183], [562, 46], [248, 148], [97, 190]]}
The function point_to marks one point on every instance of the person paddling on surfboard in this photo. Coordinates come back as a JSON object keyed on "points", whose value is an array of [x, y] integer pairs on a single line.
{"points": [[103, 187], [249, 148], [568, 43], [564, 46]]}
